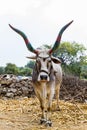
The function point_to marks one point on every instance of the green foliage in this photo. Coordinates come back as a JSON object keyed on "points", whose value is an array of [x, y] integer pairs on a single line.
{"points": [[30, 64], [11, 69], [73, 57], [70, 52], [83, 73], [2, 70], [25, 71]]}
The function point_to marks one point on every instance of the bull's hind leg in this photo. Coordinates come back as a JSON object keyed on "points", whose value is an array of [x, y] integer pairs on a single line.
{"points": [[57, 96]]}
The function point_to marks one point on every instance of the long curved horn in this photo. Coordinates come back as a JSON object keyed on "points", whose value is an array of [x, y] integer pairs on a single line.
{"points": [[57, 43], [28, 44]]}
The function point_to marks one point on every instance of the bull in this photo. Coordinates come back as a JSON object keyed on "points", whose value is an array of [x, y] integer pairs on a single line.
{"points": [[47, 74]]}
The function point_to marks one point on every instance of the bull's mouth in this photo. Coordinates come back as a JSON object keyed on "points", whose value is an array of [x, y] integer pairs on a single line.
{"points": [[43, 80]]}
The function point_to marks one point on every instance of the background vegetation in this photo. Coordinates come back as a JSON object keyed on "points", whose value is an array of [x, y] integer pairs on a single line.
{"points": [[73, 56]]}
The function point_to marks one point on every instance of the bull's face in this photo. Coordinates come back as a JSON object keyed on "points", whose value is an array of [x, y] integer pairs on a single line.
{"points": [[44, 66]]}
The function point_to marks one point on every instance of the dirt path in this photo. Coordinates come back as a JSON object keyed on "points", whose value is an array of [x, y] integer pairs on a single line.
{"points": [[24, 114]]}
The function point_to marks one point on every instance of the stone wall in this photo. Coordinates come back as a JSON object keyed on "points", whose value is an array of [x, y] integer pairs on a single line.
{"points": [[12, 87], [72, 88]]}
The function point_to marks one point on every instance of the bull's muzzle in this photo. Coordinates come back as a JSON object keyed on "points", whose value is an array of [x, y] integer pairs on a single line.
{"points": [[43, 77]]}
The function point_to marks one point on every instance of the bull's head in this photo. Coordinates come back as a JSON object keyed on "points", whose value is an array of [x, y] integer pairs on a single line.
{"points": [[43, 58]]}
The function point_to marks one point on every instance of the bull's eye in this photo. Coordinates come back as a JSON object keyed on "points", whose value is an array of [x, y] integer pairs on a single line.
{"points": [[48, 63]]}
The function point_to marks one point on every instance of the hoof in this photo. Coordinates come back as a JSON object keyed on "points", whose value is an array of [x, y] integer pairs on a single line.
{"points": [[48, 124], [42, 121], [58, 109]]}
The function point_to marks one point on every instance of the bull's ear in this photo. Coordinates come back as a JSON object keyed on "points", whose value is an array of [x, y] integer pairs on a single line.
{"points": [[31, 57], [56, 60]]}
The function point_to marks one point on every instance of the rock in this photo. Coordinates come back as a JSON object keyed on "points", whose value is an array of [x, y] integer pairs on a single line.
{"points": [[10, 95], [13, 90], [3, 91], [25, 90], [19, 93]]}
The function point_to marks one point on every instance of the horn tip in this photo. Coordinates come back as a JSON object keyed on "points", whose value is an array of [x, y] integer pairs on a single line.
{"points": [[10, 25], [72, 21]]}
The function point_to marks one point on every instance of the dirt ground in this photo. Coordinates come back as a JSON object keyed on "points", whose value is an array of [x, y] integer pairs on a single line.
{"points": [[24, 114]]}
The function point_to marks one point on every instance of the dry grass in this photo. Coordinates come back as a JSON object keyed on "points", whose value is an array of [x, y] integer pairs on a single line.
{"points": [[24, 114]]}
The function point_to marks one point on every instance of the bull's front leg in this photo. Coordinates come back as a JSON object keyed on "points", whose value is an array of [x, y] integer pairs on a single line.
{"points": [[43, 105], [49, 107], [44, 110]]}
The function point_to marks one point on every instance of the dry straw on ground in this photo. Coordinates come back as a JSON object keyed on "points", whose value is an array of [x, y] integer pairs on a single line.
{"points": [[24, 114]]}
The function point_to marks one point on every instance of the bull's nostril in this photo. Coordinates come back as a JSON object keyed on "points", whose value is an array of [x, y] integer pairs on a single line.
{"points": [[43, 77]]}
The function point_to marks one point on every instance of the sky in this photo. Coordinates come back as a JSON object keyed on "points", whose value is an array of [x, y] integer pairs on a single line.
{"points": [[41, 21]]}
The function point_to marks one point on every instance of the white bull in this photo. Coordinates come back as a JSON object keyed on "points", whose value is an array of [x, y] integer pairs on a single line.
{"points": [[47, 75]]}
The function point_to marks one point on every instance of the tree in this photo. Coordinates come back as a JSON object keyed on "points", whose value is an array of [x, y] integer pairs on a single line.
{"points": [[72, 55], [25, 71], [70, 52], [11, 69], [2, 70], [84, 72], [30, 64], [84, 68]]}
